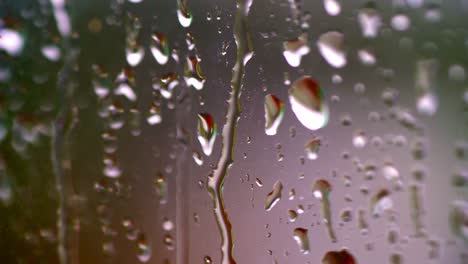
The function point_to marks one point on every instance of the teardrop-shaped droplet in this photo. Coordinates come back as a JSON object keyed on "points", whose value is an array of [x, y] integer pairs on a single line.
{"points": [[274, 196], [193, 75], [300, 235], [312, 148], [134, 55], [425, 84], [51, 52], [338, 257], [331, 47], [294, 50], [159, 48], [206, 132], [183, 14], [366, 57], [308, 103], [321, 190], [274, 112]]}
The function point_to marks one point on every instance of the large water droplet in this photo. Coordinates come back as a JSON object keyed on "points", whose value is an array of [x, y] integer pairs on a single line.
{"points": [[11, 41], [183, 14], [274, 196], [294, 50], [159, 48], [308, 103], [331, 47], [206, 132], [193, 75], [274, 112], [300, 236], [338, 257]]}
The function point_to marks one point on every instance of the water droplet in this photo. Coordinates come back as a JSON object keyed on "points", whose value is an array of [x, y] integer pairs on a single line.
{"points": [[50, 52], [294, 50], [416, 208], [131, 232], [300, 236], [168, 242], [143, 249], [11, 41], [193, 75], [206, 132], [312, 148], [380, 202], [321, 190], [359, 139], [258, 182], [390, 172], [308, 103], [274, 112], [432, 13], [134, 55], [167, 225], [207, 260], [331, 47], [400, 22], [457, 73], [366, 57], [197, 157], [332, 7], [160, 185], [274, 196], [154, 115], [346, 215], [166, 84], [183, 14], [125, 82], [292, 216], [459, 218], [159, 48], [338, 257], [370, 21]]}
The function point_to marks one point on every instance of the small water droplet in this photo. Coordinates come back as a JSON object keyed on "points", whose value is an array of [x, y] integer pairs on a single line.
{"points": [[274, 196], [274, 112], [338, 257], [159, 48], [143, 249], [380, 202], [370, 21], [332, 7], [193, 75], [312, 148]]}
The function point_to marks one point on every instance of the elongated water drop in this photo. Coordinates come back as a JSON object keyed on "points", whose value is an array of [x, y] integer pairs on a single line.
{"points": [[193, 75], [308, 103], [331, 47], [274, 196], [160, 184], [425, 85], [159, 48], [459, 218], [294, 50], [274, 112], [321, 190], [183, 14], [206, 132], [338, 257], [51, 52], [300, 235], [417, 209], [125, 82]]}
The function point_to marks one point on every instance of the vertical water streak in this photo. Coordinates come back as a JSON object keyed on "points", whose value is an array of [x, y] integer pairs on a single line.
{"points": [[216, 178]]}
